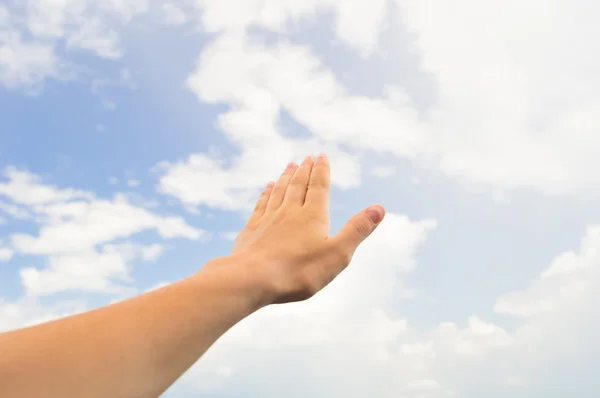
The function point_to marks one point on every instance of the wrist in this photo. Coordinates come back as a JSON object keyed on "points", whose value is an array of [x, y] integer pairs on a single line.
{"points": [[238, 274]]}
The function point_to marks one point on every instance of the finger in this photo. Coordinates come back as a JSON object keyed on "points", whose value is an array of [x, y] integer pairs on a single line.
{"points": [[297, 190], [261, 203], [317, 195], [355, 231], [278, 192]]}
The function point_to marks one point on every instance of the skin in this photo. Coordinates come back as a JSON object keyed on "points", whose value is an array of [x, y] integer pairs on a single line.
{"points": [[138, 347]]}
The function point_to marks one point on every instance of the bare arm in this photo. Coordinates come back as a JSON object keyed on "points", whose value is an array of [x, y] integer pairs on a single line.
{"points": [[139, 347]]}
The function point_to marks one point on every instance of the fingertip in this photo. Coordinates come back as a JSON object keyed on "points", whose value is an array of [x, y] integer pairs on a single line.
{"points": [[321, 158]]}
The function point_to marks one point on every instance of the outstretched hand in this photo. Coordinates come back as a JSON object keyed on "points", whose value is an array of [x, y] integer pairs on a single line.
{"points": [[286, 239]]}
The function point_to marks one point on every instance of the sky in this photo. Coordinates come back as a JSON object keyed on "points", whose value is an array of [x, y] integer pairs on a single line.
{"points": [[136, 135]]}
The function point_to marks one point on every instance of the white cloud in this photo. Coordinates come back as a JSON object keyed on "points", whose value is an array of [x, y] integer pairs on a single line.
{"points": [[49, 25], [346, 329], [229, 235], [173, 14], [566, 283], [5, 254], [133, 183], [72, 224], [16, 212], [23, 63], [258, 81], [80, 225], [153, 252], [357, 23], [28, 311], [82, 23], [516, 107], [488, 125], [26, 188], [92, 270], [383, 171]]}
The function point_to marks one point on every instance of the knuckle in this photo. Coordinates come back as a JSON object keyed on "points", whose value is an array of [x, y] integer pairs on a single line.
{"points": [[316, 186], [362, 227], [297, 182]]}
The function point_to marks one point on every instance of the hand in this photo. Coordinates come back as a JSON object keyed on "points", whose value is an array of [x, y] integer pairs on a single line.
{"points": [[286, 239]]}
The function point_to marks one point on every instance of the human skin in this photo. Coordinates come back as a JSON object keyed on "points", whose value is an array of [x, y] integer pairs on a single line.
{"points": [[138, 347]]}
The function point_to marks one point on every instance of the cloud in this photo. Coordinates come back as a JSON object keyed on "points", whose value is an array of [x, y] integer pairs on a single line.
{"points": [[383, 171], [348, 332], [346, 329], [357, 23], [75, 233], [16, 212], [78, 226], [28, 311], [70, 226], [83, 24], [5, 254], [497, 119], [26, 188], [22, 63], [73, 25], [487, 125], [90, 271], [258, 82], [231, 236], [173, 14]]}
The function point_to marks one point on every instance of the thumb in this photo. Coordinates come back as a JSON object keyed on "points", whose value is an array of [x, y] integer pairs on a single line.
{"points": [[358, 228]]}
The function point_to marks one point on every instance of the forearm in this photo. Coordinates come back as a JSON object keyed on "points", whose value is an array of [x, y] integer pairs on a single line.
{"points": [[135, 348]]}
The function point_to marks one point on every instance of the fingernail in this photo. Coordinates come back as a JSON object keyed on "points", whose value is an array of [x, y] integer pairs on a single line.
{"points": [[310, 157], [270, 184], [320, 157], [375, 214], [291, 165]]}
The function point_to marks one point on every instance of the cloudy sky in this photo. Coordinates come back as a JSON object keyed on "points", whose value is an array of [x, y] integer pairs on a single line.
{"points": [[136, 135]]}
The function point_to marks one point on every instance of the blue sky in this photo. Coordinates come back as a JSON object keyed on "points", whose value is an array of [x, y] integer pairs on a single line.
{"points": [[135, 136]]}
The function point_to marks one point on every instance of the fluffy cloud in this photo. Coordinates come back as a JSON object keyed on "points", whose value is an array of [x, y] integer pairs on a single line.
{"points": [[383, 171], [173, 14], [346, 342], [260, 82], [496, 121], [28, 311], [92, 270], [75, 233], [334, 340], [49, 25], [5, 254], [516, 107], [357, 23], [13, 211], [25, 188], [22, 63]]}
